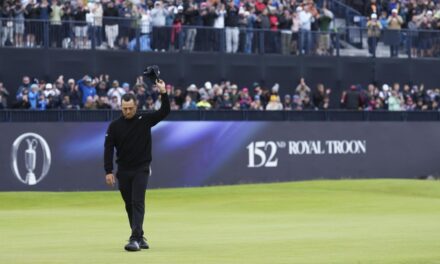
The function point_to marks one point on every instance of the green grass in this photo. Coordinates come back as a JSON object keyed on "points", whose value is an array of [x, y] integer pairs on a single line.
{"points": [[353, 221]]}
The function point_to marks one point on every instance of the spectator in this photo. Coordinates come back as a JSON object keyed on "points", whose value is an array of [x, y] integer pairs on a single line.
{"points": [[193, 92], [173, 105], [87, 88], [145, 27], [219, 25], [179, 98], [232, 31], [287, 104], [383, 19], [319, 95], [161, 34], [177, 33], [55, 24], [409, 105], [207, 36], [102, 103], [126, 88], [96, 14], [111, 25], [191, 17], [116, 91], [306, 20], [189, 104], [90, 103], [65, 103], [42, 102], [23, 103], [235, 96], [74, 94], [373, 31], [7, 16], [31, 14], [296, 24], [307, 103], [274, 103], [218, 98], [413, 35], [125, 21], [372, 7], [204, 104], [245, 99], [385, 94], [101, 89], [351, 99], [50, 91], [33, 96], [81, 27], [392, 36], [285, 26], [19, 10], [256, 104], [326, 104], [250, 20], [394, 101], [421, 106], [302, 89], [66, 27], [149, 104], [116, 105], [325, 18], [226, 103], [297, 103]]}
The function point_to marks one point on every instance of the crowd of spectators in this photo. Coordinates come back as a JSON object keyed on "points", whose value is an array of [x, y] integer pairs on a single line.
{"points": [[165, 25], [103, 93], [427, 11], [419, 17]]}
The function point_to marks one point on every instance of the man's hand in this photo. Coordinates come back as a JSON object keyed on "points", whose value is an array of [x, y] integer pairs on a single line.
{"points": [[110, 179], [161, 85]]}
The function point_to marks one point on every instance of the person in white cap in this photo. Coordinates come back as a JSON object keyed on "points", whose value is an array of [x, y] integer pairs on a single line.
{"points": [[50, 91], [393, 34], [373, 31]]}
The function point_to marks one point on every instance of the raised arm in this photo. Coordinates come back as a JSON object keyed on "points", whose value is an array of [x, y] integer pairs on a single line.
{"points": [[164, 110]]}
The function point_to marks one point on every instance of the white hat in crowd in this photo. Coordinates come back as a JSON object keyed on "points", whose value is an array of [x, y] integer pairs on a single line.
{"points": [[373, 16], [192, 88]]}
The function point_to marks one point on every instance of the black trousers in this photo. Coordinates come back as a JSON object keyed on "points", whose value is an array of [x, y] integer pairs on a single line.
{"points": [[132, 185]]}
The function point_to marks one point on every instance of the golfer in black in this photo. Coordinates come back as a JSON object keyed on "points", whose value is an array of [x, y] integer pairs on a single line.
{"points": [[131, 136]]}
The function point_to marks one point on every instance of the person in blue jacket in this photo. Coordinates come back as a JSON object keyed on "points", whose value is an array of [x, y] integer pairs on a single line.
{"points": [[87, 88]]}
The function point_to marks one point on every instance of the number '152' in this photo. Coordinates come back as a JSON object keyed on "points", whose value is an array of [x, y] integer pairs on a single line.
{"points": [[260, 149]]}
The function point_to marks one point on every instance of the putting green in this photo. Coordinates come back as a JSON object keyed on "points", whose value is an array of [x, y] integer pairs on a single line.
{"points": [[349, 221]]}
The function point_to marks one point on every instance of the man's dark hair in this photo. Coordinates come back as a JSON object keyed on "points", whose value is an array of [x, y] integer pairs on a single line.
{"points": [[129, 96]]}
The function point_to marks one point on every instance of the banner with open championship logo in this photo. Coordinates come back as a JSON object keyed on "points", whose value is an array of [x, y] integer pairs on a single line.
{"points": [[69, 156]]}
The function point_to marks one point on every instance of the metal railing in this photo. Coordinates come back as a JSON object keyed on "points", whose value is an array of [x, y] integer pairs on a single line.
{"points": [[135, 35], [226, 115], [351, 15]]}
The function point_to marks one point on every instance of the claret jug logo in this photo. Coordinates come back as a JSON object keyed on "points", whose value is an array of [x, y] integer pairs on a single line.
{"points": [[34, 146]]}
